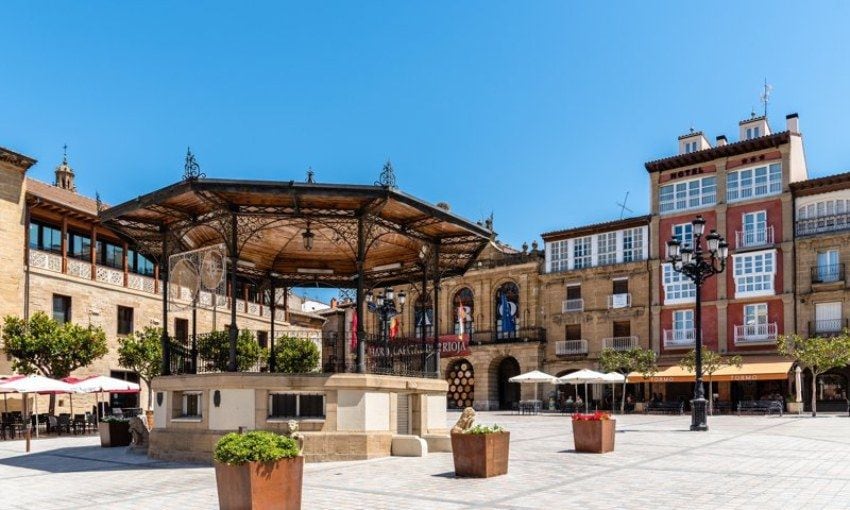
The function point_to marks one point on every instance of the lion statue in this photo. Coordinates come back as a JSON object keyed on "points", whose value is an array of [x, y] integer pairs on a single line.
{"points": [[297, 436], [465, 422], [139, 435]]}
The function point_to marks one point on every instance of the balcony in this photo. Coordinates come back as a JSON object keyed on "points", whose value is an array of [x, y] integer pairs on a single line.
{"points": [[572, 305], [507, 337], [619, 301], [754, 238], [755, 334], [679, 338], [620, 343], [822, 224], [827, 327], [830, 273], [571, 347]]}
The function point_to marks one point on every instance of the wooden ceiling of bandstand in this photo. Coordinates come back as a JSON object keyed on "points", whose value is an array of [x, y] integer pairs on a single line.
{"points": [[271, 218]]}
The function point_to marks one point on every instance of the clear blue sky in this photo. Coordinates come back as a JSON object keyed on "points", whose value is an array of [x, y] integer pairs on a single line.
{"points": [[542, 112]]}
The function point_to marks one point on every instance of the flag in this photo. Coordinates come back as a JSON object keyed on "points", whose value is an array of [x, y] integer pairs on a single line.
{"points": [[394, 327], [354, 332], [461, 320], [508, 324]]}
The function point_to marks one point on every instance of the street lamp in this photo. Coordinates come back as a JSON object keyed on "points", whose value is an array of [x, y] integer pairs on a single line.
{"points": [[385, 305], [698, 266]]}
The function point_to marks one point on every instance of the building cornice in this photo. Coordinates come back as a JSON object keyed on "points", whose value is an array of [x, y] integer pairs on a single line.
{"points": [[728, 150], [15, 159]]}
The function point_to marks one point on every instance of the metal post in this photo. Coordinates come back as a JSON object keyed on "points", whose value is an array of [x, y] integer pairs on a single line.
{"points": [[698, 404], [437, 310], [195, 334], [166, 345], [271, 326], [234, 258], [423, 298], [361, 345]]}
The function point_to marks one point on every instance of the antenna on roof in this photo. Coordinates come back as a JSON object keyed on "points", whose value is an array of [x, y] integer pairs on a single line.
{"points": [[623, 207], [765, 95]]}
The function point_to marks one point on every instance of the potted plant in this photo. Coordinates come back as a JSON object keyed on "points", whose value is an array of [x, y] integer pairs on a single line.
{"points": [[594, 432], [258, 470], [481, 451], [114, 432]]}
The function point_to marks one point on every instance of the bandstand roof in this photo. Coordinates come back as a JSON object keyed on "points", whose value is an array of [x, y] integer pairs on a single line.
{"points": [[272, 216]]}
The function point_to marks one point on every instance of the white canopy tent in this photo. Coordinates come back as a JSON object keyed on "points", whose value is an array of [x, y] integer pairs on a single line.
{"points": [[584, 376], [35, 384], [101, 383], [614, 378], [534, 377]]}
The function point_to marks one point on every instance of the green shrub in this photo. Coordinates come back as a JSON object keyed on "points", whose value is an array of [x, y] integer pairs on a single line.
{"points": [[295, 355], [114, 419], [214, 349], [485, 429], [235, 449]]}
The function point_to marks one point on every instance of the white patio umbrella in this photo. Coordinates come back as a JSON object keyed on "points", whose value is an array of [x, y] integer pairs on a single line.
{"points": [[36, 384], [584, 376], [614, 378], [101, 383], [534, 377]]}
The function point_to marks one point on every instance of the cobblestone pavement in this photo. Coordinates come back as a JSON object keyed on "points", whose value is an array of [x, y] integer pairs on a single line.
{"points": [[743, 462]]}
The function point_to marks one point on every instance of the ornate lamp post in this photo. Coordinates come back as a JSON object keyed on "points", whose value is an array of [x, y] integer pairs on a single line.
{"points": [[698, 266], [384, 306]]}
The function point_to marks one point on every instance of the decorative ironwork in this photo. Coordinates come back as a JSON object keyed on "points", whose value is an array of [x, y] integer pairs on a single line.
{"points": [[387, 178], [193, 272], [310, 175], [191, 169]]}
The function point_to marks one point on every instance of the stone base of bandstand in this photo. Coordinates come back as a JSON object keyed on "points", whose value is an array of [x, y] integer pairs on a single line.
{"points": [[361, 413]]}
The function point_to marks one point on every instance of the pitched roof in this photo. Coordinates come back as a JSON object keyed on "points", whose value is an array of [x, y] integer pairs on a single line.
{"points": [[705, 155], [821, 184], [595, 228], [61, 197], [16, 159]]}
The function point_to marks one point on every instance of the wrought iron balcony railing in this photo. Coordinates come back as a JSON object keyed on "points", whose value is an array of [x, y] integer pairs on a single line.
{"points": [[679, 338], [570, 347], [827, 327], [754, 238], [572, 305], [756, 334], [828, 273], [821, 224], [620, 343], [518, 335], [619, 300]]}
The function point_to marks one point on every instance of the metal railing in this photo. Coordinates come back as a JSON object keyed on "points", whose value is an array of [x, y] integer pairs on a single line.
{"points": [[619, 300], [620, 343], [572, 305], [828, 273], [821, 224], [756, 334], [827, 327], [679, 338], [570, 347], [518, 335], [753, 238]]}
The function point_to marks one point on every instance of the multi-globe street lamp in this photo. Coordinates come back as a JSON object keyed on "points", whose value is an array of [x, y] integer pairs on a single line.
{"points": [[384, 306], [698, 265]]}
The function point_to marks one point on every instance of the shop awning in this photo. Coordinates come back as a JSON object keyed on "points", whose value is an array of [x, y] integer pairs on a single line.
{"points": [[770, 371]]}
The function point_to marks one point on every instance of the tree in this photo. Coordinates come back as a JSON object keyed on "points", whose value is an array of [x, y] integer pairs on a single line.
{"points": [[295, 355], [214, 350], [42, 345], [817, 354], [711, 363], [142, 353], [638, 360]]}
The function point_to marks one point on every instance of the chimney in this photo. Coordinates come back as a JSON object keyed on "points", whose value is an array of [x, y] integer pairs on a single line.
{"points": [[792, 122], [721, 141]]}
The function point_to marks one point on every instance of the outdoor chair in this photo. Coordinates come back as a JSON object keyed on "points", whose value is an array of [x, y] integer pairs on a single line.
{"points": [[79, 424], [63, 423]]}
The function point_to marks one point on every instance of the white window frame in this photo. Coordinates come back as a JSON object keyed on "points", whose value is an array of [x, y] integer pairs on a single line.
{"points": [[606, 248], [583, 251], [634, 237], [757, 312], [755, 278], [559, 256], [678, 288], [683, 320], [298, 395], [685, 234], [688, 194], [754, 182], [185, 404]]}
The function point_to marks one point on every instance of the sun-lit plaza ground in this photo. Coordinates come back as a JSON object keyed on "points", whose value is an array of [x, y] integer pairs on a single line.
{"points": [[743, 462]]}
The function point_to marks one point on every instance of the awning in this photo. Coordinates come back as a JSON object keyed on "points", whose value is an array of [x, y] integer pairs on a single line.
{"points": [[771, 371]]}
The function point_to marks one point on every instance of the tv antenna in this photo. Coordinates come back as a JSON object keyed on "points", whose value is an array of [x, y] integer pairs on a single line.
{"points": [[623, 207], [765, 95]]}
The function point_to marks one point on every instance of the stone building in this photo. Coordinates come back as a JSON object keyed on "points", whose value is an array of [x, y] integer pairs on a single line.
{"points": [[57, 259]]}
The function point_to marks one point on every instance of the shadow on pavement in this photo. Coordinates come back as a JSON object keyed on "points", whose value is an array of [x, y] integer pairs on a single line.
{"points": [[88, 458]]}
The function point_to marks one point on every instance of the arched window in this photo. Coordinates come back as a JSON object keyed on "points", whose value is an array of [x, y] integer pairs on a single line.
{"points": [[464, 311], [507, 310], [423, 316]]}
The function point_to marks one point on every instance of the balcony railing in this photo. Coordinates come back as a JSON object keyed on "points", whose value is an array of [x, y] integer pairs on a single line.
{"points": [[679, 338], [753, 238], [821, 224], [619, 300], [828, 273], [620, 343], [573, 305], [570, 347], [755, 334], [519, 335], [827, 327]]}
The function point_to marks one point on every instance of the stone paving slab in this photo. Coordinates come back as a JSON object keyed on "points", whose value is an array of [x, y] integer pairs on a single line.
{"points": [[742, 462]]}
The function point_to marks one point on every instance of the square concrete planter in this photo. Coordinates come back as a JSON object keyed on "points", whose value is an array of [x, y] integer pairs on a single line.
{"points": [[114, 433], [481, 455], [260, 485], [594, 436]]}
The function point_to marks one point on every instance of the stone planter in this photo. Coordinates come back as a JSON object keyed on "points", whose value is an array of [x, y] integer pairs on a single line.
{"points": [[639, 407], [115, 433], [149, 419], [260, 485], [794, 407], [481, 455], [594, 436]]}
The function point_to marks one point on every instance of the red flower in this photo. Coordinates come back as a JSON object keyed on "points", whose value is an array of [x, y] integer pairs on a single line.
{"points": [[597, 416]]}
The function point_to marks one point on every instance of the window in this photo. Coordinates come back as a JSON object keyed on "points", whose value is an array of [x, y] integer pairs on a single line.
{"points": [[755, 229], [829, 269], [124, 400], [753, 132], [109, 254], [572, 332], [622, 329], [263, 339], [690, 147], [296, 405], [621, 286], [125, 320], [464, 311], [191, 404], [823, 216], [683, 320], [827, 318], [61, 308], [754, 182], [573, 291], [684, 233], [754, 273], [755, 315], [688, 195], [45, 237], [633, 244], [582, 252], [606, 248], [558, 256], [79, 246], [139, 264], [677, 287], [181, 330]]}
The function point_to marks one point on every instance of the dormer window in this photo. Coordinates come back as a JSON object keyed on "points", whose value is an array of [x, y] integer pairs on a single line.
{"points": [[753, 132], [690, 147], [754, 127]]}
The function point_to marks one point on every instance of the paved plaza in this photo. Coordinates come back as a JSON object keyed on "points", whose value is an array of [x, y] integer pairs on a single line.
{"points": [[743, 462]]}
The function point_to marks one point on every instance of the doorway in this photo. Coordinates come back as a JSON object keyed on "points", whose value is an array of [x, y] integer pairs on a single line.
{"points": [[508, 392]]}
